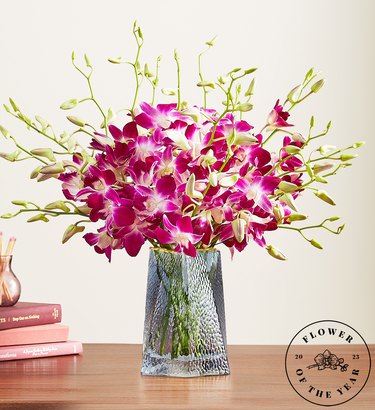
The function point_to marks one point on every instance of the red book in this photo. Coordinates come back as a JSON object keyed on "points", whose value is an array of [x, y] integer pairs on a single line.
{"points": [[39, 350], [24, 314], [34, 334]]}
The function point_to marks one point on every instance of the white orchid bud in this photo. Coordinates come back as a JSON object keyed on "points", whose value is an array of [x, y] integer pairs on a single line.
{"points": [[274, 252], [212, 179], [322, 167], [239, 229], [190, 188], [297, 137]]}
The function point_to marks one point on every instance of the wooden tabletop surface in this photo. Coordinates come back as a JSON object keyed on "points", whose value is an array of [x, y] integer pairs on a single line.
{"points": [[107, 377]]}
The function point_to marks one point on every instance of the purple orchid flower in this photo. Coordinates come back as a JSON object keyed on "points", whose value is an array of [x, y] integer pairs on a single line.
{"points": [[180, 234]]}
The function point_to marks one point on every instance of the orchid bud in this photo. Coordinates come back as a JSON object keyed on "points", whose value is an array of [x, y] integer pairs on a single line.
{"points": [[11, 156], [44, 152], [296, 217], [297, 137], [45, 177], [243, 138], [322, 167], [76, 121], [286, 186], [358, 144], [71, 230], [147, 72], [340, 228], [14, 105], [56, 168], [274, 252], [4, 131], [117, 60], [239, 227], [87, 61], [35, 172], [212, 178], [245, 107], [347, 157], [316, 244], [211, 43], [309, 74], [39, 217], [43, 122], [325, 149], [58, 205], [288, 199], [278, 212], [20, 203], [292, 149], [309, 171], [249, 71], [69, 104], [223, 79], [312, 121], [294, 94], [317, 86], [324, 197], [190, 188], [250, 90], [209, 158], [206, 84], [228, 182], [168, 91], [334, 218], [320, 179], [6, 216]]}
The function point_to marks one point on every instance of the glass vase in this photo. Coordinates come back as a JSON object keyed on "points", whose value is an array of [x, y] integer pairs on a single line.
{"points": [[10, 287], [184, 330]]}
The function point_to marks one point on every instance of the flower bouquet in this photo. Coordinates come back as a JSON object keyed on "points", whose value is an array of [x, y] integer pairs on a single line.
{"points": [[185, 178]]}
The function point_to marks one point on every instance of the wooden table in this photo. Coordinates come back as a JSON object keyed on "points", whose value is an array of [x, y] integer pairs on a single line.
{"points": [[107, 376]]}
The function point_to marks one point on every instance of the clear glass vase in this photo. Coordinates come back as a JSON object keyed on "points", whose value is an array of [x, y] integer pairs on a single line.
{"points": [[10, 287], [184, 330]]}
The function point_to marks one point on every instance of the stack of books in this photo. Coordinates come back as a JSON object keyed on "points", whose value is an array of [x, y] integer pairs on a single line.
{"points": [[30, 330]]}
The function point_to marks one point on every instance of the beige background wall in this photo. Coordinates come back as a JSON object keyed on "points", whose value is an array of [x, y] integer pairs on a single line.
{"points": [[266, 301]]}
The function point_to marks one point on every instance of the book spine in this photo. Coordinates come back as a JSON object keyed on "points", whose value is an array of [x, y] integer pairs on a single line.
{"points": [[30, 316], [34, 334], [39, 350]]}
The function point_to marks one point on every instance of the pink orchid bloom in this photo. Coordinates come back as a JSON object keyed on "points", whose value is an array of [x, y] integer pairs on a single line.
{"points": [[162, 116], [277, 118], [256, 191], [180, 234]]}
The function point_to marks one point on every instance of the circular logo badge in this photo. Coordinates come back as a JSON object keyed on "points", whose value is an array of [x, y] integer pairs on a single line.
{"points": [[328, 363]]}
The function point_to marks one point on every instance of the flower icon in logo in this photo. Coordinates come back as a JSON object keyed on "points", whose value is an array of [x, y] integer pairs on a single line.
{"points": [[328, 360]]}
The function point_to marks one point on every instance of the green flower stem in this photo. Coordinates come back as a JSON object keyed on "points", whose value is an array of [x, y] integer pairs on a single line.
{"points": [[27, 151], [177, 59], [139, 41], [330, 156], [155, 81], [321, 225], [92, 97], [31, 125], [304, 85], [205, 92], [48, 212], [84, 131]]}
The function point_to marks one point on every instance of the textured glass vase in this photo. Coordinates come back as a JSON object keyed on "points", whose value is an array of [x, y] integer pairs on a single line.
{"points": [[184, 331], [10, 287]]}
